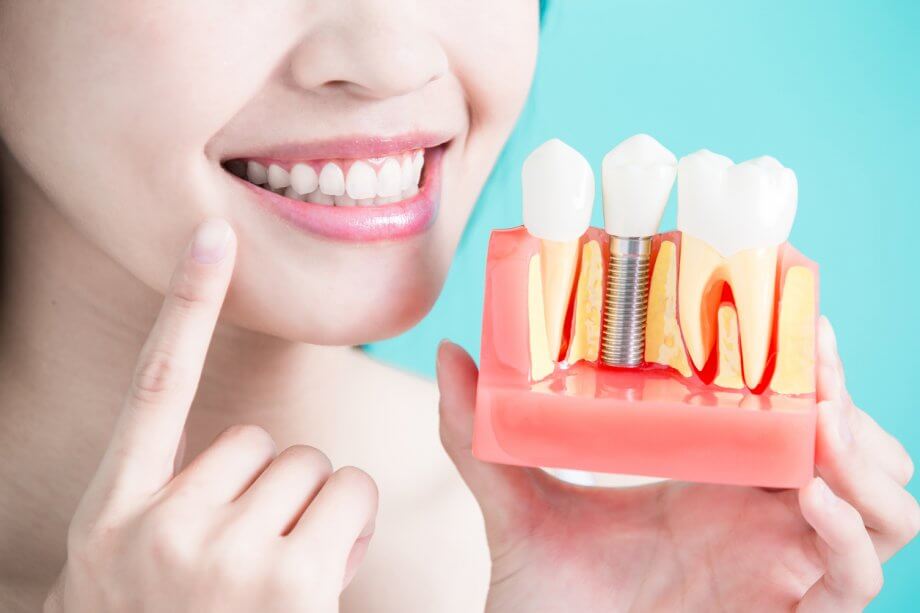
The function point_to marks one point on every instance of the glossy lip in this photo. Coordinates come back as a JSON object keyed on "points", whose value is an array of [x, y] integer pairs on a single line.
{"points": [[343, 148], [357, 223]]}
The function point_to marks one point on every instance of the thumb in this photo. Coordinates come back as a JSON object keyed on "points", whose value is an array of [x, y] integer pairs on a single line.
{"points": [[506, 494]]}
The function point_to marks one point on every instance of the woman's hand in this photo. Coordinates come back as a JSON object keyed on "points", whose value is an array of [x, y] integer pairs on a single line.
{"points": [[241, 528], [679, 546]]}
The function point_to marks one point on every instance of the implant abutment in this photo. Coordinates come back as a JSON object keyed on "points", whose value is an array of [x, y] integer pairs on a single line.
{"points": [[626, 301]]}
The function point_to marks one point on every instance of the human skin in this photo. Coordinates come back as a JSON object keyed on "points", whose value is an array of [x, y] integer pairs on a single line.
{"points": [[671, 545], [115, 118]]}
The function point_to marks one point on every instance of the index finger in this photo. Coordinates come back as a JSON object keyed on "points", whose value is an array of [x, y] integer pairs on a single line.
{"points": [[140, 457]]}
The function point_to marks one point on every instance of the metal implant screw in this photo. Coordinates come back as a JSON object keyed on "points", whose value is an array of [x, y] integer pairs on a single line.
{"points": [[626, 303]]}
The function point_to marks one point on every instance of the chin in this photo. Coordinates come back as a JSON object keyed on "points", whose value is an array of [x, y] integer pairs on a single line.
{"points": [[380, 294]]}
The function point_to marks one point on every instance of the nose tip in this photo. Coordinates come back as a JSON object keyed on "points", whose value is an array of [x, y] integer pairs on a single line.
{"points": [[387, 62]]}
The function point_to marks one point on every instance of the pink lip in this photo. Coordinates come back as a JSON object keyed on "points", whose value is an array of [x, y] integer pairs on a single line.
{"points": [[344, 148], [357, 223]]}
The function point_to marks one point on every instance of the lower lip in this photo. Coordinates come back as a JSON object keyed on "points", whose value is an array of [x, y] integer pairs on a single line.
{"points": [[362, 223]]}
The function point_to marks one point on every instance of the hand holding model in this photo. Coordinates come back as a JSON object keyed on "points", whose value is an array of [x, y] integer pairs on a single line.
{"points": [[739, 383], [239, 529], [672, 545]]}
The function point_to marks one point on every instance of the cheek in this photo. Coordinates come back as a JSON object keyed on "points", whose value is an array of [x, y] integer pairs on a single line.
{"points": [[109, 105], [494, 49]]}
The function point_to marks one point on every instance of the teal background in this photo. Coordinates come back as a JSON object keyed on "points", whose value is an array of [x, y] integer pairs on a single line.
{"points": [[828, 87]]}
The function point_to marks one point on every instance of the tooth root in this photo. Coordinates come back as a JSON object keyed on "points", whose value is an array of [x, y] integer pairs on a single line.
{"points": [[541, 364], [559, 261], [699, 293], [752, 275], [728, 373]]}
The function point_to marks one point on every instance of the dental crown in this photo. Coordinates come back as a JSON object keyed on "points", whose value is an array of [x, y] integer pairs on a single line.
{"points": [[558, 192], [638, 175], [735, 207]]}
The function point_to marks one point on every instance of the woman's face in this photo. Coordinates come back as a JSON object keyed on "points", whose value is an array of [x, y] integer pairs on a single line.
{"points": [[137, 118]]}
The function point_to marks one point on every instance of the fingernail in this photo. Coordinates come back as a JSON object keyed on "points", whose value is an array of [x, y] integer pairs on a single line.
{"points": [[212, 238], [843, 425]]}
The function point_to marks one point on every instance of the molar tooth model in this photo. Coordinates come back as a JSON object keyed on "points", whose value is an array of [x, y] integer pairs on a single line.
{"points": [[724, 390]]}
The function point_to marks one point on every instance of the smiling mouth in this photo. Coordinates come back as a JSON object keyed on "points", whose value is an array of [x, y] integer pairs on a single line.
{"points": [[392, 195]]}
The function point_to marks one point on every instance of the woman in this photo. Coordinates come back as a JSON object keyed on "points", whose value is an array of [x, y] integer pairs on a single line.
{"points": [[139, 476]]}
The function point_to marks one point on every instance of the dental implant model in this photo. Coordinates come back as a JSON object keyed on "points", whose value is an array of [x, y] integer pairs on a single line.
{"points": [[558, 197], [638, 175], [711, 328]]}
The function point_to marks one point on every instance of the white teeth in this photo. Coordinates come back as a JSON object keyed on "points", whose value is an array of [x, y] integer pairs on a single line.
{"points": [[292, 194], [331, 180], [371, 181], [318, 197], [406, 172], [558, 192], [278, 178], [389, 179], [362, 181], [735, 207], [637, 178], [304, 179], [418, 161], [256, 173]]}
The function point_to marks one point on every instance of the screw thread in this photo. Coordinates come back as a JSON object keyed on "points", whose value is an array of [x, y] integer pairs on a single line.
{"points": [[626, 303]]}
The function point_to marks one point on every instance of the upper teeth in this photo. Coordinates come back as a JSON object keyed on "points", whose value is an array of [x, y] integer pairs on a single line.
{"points": [[732, 219], [637, 178], [382, 180]]}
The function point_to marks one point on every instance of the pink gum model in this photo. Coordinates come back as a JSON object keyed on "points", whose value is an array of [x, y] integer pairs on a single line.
{"points": [[647, 421]]}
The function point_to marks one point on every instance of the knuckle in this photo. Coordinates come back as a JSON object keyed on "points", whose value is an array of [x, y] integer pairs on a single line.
{"points": [[908, 469], [232, 561], [249, 437], [308, 457], [912, 527], [90, 544], [358, 483], [166, 542], [293, 574], [188, 291], [155, 375], [873, 582]]}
